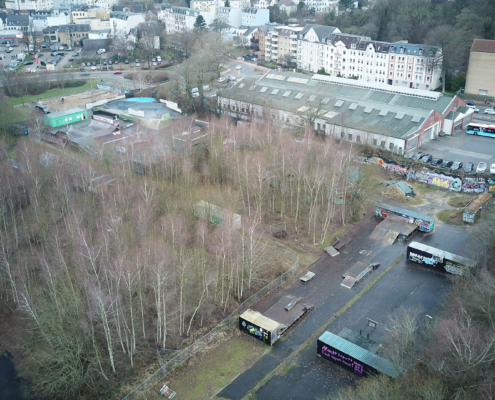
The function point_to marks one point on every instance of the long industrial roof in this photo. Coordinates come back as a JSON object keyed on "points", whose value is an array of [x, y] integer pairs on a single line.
{"points": [[371, 107]]}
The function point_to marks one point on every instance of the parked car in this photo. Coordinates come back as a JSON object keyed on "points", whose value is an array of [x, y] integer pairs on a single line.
{"points": [[470, 103], [138, 64], [481, 167], [118, 72], [42, 108], [93, 68], [126, 62], [492, 169], [447, 163], [28, 63], [71, 59], [456, 166], [154, 63], [469, 167], [238, 67], [436, 161], [426, 158], [476, 109], [109, 62], [221, 79], [418, 155], [101, 51], [489, 111]]}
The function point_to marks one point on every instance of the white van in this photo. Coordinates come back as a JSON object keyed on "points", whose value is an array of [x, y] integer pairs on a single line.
{"points": [[101, 51]]}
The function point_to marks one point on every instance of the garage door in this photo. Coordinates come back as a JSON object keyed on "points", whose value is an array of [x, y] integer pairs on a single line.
{"points": [[412, 143], [428, 135]]}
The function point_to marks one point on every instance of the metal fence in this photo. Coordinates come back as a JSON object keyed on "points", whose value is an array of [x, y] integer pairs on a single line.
{"points": [[199, 344]]}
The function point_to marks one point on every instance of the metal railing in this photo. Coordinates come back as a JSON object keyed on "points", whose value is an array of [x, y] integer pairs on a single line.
{"points": [[199, 344]]}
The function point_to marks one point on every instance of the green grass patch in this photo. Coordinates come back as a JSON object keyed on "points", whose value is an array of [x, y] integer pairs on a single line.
{"points": [[171, 68], [206, 375], [223, 69], [53, 93], [451, 217], [458, 201]]}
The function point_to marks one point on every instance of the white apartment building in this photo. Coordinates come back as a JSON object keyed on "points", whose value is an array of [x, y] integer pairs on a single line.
{"points": [[321, 6], [37, 5], [281, 41], [122, 22], [412, 65], [44, 19], [181, 19], [255, 16], [204, 5], [230, 16], [341, 55]]}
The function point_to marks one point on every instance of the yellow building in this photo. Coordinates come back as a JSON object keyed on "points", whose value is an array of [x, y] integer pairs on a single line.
{"points": [[480, 78]]}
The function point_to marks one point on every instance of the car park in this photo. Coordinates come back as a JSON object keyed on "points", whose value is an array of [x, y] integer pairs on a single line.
{"points": [[481, 167], [436, 161], [427, 158], [468, 167], [489, 111], [446, 163], [456, 165], [492, 169]]}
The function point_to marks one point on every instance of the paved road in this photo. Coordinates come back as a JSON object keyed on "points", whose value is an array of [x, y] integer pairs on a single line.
{"points": [[404, 286]]}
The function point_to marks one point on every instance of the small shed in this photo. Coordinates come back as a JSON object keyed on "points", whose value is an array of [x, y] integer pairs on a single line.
{"points": [[262, 328], [473, 211], [66, 117]]}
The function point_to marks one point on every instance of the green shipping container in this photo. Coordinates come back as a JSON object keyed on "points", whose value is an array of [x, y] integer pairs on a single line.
{"points": [[65, 117]]}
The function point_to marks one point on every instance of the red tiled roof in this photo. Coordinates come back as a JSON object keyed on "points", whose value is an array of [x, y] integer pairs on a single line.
{"points": [[483, 46]]}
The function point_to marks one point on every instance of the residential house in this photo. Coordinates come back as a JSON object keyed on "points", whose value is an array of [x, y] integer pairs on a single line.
{"points": [[204, 5], [44, 19], [254, 16], [289, 7], [480, 79], [35, 5], [245, 35], [70, 34], [122, 22], [229, 16], [181, 19], [18, 22]]}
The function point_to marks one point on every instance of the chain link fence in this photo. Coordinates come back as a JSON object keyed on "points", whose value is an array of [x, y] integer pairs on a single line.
{"points": [[199, 344]]}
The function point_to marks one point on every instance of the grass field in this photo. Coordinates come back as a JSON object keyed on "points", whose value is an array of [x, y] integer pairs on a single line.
{"points": [[52, 93]]}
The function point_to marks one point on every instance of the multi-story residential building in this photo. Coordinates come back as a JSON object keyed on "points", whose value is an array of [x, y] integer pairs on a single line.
{"points": [[181, 19], [262, 33], [230, 16], [480, 79], [204, 5], [255, 16], [44, 19], [351, 56], [17, 5], [281, 45], [18, 22], [414, 65], [122, 22], [70, 34]]}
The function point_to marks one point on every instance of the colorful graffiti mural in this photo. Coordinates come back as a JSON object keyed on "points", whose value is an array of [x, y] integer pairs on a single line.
{"points": [[389, 165], [474, 185], [425, 223]]}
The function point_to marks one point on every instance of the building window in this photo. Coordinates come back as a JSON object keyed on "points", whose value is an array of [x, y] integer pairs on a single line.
{"points": [[375, 142], [350, 136], [382, 144], [342, 135], [391, 146], [358, 139]]}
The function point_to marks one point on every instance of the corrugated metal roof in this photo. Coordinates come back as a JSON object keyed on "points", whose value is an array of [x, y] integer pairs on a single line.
{"points": [[380, 364]]}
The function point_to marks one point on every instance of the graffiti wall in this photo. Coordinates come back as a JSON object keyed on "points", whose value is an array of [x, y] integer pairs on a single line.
{"points": [[255, 331], [439, 264], [450, 182], [425, 224], [474, 185]]}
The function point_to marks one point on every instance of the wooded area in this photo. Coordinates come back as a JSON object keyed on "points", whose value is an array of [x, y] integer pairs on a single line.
{"points": [[97, 277]]}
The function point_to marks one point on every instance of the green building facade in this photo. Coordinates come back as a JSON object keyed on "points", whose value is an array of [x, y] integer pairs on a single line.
{"points": [[65, 117]]}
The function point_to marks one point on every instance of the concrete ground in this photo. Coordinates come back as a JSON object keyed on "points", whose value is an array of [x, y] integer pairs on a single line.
{"points": [[404, 286]]}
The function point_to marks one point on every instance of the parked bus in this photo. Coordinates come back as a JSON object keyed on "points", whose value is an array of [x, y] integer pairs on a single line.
{"points": [[439, 260], [481, 129]]}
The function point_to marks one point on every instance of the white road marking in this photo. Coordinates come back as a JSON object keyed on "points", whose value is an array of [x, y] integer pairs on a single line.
{"points": [[470, 154]]}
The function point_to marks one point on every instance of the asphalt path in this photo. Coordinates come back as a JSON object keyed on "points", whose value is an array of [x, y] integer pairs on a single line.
{"points": [[406, 285]]}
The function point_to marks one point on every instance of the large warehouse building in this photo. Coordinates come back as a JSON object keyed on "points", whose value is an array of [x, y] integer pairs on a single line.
{"points": [[393, 118]]}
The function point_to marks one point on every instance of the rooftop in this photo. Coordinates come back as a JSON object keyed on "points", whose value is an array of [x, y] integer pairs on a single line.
{"points": [[483, 46], [260, 320], [65, 112], [377, 108]]}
